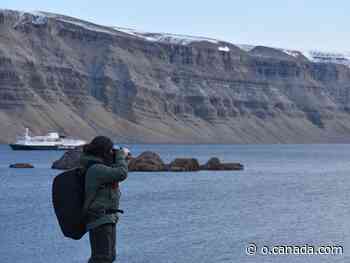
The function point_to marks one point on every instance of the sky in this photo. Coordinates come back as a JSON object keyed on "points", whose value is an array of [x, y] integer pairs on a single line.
{"points": [[297, 24]]}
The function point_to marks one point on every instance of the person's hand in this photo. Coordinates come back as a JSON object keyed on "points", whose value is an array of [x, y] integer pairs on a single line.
{"points": [[126, 151]]}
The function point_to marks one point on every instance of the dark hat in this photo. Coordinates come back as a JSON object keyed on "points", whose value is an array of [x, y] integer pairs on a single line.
{"points": [[99, 146]]}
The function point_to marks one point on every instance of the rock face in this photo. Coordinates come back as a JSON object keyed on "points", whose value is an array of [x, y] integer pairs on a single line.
{"points": [[61, 73], [21, 165], [147, 162], [69, 160]]}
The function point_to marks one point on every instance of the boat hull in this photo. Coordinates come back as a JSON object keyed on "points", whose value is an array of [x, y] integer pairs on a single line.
{"points": [[21, 147]]}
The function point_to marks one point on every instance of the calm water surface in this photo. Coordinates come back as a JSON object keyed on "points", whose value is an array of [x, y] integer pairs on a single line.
{"points": [[287, 195]]}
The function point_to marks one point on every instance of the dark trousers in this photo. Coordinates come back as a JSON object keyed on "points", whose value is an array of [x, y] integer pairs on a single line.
{"points": [[103, 244]]}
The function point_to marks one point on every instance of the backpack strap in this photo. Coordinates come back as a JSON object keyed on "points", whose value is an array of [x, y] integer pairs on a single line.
{"points": [[88, 201]]}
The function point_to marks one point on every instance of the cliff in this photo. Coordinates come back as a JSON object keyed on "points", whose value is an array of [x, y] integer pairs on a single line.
{"points": [[60, 73]]}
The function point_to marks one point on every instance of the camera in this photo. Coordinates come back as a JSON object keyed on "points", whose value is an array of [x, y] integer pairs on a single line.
{"points": [[124, 149]]}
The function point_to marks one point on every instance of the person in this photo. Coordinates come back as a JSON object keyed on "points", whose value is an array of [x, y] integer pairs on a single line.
{"points": [[102, 194]]}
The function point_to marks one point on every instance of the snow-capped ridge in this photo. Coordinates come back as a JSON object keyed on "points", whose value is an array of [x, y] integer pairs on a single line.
{"points": [[166, 37], [326, 57], [40, 18], [312, 55]]}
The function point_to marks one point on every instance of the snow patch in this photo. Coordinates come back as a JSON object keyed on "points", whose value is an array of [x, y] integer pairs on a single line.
{"points": [[129, 31], [292, 53], [245, 47], [224, 49], [35, 18], [39, 20]]}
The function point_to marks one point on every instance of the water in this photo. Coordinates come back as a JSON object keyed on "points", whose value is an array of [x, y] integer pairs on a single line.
{"points": [[287, 195]]}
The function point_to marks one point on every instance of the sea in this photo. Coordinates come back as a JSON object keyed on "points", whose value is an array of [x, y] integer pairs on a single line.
{"points": [[291, 203]]}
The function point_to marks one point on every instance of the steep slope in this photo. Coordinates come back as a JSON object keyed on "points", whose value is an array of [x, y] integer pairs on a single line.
{"points": [[61, 73]]}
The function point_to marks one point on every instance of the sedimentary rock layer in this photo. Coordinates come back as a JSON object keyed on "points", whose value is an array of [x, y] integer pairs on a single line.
{"points": [[63, 74]]}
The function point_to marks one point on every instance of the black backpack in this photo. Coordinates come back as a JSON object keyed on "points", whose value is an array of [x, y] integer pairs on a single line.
{"points": [[68, 200]]}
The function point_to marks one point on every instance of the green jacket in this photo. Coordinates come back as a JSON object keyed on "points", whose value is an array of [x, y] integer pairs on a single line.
{"points": [[101, 189]]}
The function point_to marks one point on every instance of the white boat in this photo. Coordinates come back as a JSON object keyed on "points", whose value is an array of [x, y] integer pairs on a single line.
{"points": [[51, 141]]}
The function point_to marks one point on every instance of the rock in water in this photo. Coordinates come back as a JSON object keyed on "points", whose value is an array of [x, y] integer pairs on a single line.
{"points": [[69, 160], [231, 167], [21, 165], [147, 162], [214, 164], [184, 165], [150, 162]]}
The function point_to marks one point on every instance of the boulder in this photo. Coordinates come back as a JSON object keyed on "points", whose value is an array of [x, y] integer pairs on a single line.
{"points": [[214, 164], [69, 160], [147, 162], [21, 165], [184, 165]]}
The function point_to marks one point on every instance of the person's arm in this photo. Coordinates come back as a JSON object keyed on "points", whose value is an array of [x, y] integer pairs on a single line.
{"points": [[118, 172]]}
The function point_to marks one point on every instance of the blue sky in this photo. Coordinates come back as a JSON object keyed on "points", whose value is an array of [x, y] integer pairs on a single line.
{"points": [[297, 24]]}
